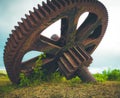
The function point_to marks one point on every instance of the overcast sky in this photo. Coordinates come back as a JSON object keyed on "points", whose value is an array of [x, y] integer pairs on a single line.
{"points": [[107, 54]]}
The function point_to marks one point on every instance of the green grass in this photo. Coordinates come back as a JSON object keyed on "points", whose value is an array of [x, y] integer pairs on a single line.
{"points": [[59, 87], [5, 84], [3, 78], [3, 71]]}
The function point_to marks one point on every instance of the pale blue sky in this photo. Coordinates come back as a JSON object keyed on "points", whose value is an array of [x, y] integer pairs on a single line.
{"points": [[107, 55]]}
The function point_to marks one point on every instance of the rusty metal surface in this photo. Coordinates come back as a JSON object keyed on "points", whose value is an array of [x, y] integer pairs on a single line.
{"points": [[71, 52]]}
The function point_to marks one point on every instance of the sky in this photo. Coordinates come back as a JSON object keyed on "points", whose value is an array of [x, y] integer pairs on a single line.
{"points": [[107, 55]]}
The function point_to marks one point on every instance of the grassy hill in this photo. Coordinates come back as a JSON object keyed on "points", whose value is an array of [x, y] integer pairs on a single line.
{"points": [[63, 89]]}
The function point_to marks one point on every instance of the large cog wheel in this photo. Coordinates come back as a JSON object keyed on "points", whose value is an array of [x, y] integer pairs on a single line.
{"points": [[74, 46]]}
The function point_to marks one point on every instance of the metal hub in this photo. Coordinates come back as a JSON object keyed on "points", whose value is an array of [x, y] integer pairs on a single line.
{"points": [[71, 52]]}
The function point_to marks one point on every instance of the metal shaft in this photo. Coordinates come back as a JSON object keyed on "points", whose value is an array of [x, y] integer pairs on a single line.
{"points": [[85, 75]]}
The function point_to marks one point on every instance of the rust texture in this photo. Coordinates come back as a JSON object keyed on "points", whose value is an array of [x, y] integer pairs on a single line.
{"points": [[71, 53]]}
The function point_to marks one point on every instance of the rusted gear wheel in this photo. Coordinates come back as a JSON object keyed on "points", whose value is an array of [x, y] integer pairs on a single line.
{"points": [[72, 43]]}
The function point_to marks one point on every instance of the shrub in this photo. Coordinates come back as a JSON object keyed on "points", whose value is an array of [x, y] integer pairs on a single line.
{"points": [[100, 77], [113, 74], [24, 81], [36, 76], [110, 75]]}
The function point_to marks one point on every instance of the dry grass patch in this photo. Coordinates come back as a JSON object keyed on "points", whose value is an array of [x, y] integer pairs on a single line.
{"points": [[65, 90]]}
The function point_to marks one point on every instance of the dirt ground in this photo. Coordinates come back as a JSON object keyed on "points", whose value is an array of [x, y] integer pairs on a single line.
{"points": [[63, 90]]}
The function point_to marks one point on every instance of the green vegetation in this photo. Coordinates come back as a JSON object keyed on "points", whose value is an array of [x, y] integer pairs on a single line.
{"points": [[110, 75], [5, 84], [36, 77]]}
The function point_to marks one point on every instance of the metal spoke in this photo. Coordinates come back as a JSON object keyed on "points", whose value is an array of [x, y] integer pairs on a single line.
{"points": [[69, 24], [29, 65], [50, 42], [90, 41], [41, 46], [88, 27], [44, 44]]}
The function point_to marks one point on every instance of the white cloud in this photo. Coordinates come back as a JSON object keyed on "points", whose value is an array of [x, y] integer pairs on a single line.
{"points": [[14, 11]]}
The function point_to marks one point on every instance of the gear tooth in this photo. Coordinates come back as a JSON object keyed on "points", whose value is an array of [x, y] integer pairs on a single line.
{"points": [[42, 10], [34, 17], [20, 24], [10, 35], [14, 39], [73, 1], [10, 43], [26, 25], [15, 35], [43, 3], [30, 12], [20, 31], [30, 20], [51, 5], [56, 3], [34, 8], [62, 2], [15, 27], [48, 1], [21, 27], [38, 13], [11, 40], [46, 7], [5, 49], [27, 16], [68, 1], [13, 31], [39, 5], [22, 19], [8, 38]]}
